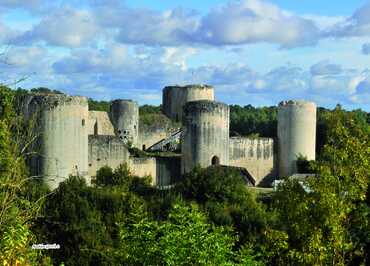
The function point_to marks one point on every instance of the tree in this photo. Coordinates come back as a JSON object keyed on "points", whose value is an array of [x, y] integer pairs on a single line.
{"points": [[329, 224], [223, 193], [120, 177], [184, 239], [16, 211]]}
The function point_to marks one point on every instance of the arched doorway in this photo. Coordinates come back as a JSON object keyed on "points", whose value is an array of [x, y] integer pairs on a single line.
{"points": [[215, 160]]}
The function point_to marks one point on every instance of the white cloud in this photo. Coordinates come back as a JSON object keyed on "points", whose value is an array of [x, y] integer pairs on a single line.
{"points": [[325, 68], [112, 58], [64, 27], [177, 56], [324, 22], [107, 50], [252, 21], [24, 56], [356, 25], [6, 34], [238, 22], [149, 27]]}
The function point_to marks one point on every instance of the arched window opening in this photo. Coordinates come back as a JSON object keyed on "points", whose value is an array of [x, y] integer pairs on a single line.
{"points": [[96, 128], [215, 160]]}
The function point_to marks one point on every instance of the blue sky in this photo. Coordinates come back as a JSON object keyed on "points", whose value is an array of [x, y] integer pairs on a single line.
{"points": [[252, 51]]}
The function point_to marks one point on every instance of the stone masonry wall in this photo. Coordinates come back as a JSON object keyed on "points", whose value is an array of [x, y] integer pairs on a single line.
{"points": [[254, 154], [106, 150], [99, 124]]}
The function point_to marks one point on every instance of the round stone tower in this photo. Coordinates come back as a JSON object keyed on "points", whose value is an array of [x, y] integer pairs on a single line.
{"points": [[175, 97], [124, 115], [62, 143], [205, 136], [296, 134]]}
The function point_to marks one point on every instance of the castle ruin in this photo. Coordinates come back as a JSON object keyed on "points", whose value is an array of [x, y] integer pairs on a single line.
{"points": [[75, 141]]}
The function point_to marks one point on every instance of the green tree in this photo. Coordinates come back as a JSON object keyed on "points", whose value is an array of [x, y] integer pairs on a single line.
{"points": [[327, 219], [186, 238], [16, 211], [95, 105], [121, 176], [224, 195]]}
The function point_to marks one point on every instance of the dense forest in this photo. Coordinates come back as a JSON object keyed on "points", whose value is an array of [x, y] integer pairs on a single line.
{"points": [[209, 218]]}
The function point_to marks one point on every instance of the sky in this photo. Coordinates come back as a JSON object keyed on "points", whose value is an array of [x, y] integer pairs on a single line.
{"points": [[257, 52]]}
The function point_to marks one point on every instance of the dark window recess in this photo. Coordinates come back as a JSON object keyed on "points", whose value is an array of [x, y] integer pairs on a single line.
{"points": [[83, 122], [144, 147], [119, 131], [96, 128], [98, 159], [90, 164], [167, 146], [215, 160]]}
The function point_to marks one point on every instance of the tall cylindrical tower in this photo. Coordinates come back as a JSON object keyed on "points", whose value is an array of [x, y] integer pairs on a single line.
{"points": [[175, 97], [296, 134], [205, 136], [62, 145], [124, 115]]}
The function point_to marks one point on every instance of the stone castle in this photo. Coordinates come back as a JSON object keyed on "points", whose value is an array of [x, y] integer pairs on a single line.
{"points": [[71, 140]]}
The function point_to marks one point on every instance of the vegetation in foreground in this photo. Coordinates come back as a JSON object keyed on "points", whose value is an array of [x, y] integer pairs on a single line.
{"points": [[210, 218]]}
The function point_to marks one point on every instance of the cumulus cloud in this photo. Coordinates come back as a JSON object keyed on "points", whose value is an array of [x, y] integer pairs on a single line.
{"points": [[325, 68], [6, 34], [65, 27], [287, 79], [356, 25], [242, 22], [112, 58], [324, 22], [172, 27], [252, 21], [122, 71], [117, 51], [235, 23], [23, 62], [23, 56]]}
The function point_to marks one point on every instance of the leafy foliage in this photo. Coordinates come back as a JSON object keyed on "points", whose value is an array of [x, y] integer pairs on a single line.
{"points": [[330, 223], [224, 195], [185, 238], [150, 109], [83, 221], [16, 211], [120, 177], [95, 105], [251, 121]]}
